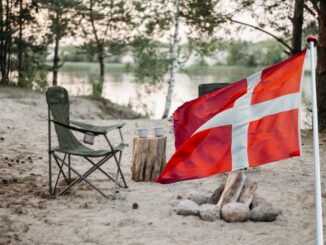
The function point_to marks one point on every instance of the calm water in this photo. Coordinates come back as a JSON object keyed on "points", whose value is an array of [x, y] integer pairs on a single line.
{"points": [[121, 88]]}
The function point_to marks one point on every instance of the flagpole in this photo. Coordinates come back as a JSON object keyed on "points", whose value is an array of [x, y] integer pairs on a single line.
{"points": [[318, 202]]}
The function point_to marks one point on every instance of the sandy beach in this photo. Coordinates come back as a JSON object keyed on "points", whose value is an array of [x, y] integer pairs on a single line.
{"points": [[29, 216]]}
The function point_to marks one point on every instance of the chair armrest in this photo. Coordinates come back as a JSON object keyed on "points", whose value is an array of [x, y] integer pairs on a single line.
{"points": [[97, 129], [81, 130]]}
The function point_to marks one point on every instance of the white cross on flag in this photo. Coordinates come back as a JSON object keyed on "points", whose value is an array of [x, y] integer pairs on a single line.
{"points": [[246, 124]]}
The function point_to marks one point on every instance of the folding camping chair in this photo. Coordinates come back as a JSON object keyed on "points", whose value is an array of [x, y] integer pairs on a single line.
{"points": [[69, 145]]}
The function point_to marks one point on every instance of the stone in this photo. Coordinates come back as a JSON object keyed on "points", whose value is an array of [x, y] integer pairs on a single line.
{"points": [[174, 204], [209, 212], [198, 197], [264, 213], [135, 205], [188, 207], [20, 210], [235, 212], [258, 200]]}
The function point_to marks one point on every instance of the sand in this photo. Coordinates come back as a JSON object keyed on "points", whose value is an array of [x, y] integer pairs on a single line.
{"points": [[29, 216]]}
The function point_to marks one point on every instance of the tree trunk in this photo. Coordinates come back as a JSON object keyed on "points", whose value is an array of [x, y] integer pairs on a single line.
{"points": [[297, 23], [174, 69], [321, 67], [20, 46], [56, 58], [8, 41], [100, 53], [5, 41], [148, 158], [102, 67], [2, 45]]}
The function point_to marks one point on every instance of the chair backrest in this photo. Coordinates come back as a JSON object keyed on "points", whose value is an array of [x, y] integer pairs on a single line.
{"points": [[58, 103]]}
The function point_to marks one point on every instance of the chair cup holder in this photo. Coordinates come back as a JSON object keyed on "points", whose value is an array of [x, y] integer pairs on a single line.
{"points": [[89, 138]]}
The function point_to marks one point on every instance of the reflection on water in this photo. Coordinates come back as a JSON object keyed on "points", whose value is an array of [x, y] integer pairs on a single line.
{"points": [[121, 88]]}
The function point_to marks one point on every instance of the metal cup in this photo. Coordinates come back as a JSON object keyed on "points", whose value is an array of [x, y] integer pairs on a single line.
{"points": [[142, 132], [158, 131]]}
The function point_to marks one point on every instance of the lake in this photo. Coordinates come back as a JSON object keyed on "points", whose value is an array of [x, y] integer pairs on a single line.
{"points": [[120, 86]]}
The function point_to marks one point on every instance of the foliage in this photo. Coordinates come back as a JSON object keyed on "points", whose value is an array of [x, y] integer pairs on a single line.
{"points": [[106, 26], [97, 88], [254, 54], [202, 15], [268, 52], [204, 48], [238, 54], [77, 54], [151, 61], [61, 14], [14, 43], [34, 73]]}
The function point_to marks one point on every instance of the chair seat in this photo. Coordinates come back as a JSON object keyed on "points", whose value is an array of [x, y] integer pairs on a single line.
{"points": [[81, 150]]}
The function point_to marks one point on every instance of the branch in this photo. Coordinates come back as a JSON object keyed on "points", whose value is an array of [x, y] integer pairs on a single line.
{"points": [[309, 10], [262, 30], [315, 5], [185, 59]]}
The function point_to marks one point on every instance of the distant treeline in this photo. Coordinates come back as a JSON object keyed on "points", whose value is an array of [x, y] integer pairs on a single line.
{"points": [[231, 52]]}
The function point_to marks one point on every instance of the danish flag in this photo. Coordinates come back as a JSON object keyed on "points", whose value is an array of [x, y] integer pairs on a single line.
{"points": [[246, 124]]}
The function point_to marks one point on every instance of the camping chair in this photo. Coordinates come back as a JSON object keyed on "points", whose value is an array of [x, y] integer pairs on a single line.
{"points": [[58, 107]]}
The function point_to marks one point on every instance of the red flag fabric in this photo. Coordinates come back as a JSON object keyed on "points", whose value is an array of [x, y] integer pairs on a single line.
{"points": [[246, 124]]}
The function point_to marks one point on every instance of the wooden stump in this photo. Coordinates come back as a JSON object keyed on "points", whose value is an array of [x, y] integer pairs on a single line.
{"points": [[148, 158]]}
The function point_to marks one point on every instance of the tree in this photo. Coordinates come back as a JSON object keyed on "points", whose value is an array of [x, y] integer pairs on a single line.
{"points": [[111, 28], [26, 49], [174, 69], [320, 10], [5, 39], [297, 26], [15, 17], [61, 13]]}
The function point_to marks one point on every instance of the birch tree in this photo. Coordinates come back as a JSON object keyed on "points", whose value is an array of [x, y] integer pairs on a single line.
{"points": [[174, 69]]}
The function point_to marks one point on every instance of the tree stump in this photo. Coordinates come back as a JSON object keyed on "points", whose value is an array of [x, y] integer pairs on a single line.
{"points": [[148, 158]]}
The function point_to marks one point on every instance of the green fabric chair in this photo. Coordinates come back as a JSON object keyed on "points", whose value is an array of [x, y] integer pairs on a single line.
{"points": [[69, 145]]}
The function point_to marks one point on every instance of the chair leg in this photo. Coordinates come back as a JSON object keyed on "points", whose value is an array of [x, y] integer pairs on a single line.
{"points": [[106, 174], [50, 173], [119, 169], [84, 176], [60, 172], [69, 170], [116, 160], [91, 169]]}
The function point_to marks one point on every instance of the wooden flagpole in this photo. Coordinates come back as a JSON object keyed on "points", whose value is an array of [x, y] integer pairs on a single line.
{"points": [[318, 202]]}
